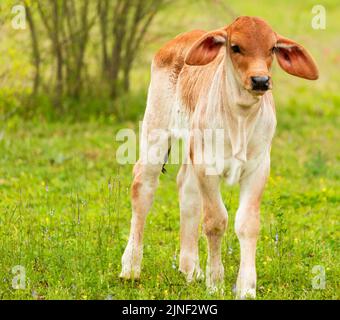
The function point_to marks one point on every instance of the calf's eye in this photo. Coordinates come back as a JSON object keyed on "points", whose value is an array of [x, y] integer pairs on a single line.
{"points": [[235, 48]]}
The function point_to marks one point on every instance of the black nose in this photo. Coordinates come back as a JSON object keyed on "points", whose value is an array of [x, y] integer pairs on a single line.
{"points": [[260, 83]]}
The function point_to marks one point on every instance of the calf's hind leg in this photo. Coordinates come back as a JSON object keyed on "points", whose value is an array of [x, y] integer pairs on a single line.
{"points": [[154, 146], [190, 207], [142, 191]]}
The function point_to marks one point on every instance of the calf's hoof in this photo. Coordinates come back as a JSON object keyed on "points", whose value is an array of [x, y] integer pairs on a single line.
{"points": [[193, 274], [214, 279], [246, 294]]}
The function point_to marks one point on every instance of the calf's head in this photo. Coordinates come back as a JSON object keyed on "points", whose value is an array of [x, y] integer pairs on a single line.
{"points": [[251, 45]]}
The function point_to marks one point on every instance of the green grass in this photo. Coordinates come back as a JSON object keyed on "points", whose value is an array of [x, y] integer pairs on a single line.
{"points": [[65, 208], [65, 214]]}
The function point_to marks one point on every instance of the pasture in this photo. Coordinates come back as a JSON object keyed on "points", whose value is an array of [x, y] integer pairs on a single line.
{"points": [[64, 200]]}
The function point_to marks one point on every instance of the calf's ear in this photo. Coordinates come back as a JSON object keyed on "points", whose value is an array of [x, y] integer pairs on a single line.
{"points": [[205, 49], [295, 59]]}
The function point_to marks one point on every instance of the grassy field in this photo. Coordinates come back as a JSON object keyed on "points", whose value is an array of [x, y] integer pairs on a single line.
{"points": [[65, 208]]}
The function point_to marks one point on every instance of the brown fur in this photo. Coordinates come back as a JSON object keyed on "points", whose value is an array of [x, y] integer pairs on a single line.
{"points": [[256, 40], [172, 54], [137, 182]]}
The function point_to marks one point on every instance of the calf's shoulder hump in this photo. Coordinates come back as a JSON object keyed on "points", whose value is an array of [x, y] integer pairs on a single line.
{"points": [[172, 54]]}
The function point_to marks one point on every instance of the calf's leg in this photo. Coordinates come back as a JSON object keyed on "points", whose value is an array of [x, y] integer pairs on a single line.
{"points": [[190, 207], [154, 144], [214, 225], [142, 191], [247, 225]]}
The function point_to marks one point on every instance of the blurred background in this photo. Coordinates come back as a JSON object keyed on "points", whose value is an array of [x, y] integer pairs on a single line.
{"points": [[81, 58]]}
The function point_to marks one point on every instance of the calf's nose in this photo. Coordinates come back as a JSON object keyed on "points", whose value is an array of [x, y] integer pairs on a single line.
{"points": [[260, 83]]}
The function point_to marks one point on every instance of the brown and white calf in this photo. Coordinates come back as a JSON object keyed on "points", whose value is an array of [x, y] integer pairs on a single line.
{"points": [[214, 80]]}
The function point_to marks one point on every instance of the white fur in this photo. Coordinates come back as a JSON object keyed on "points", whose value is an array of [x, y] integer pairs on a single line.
{"points": [[249, 124]]}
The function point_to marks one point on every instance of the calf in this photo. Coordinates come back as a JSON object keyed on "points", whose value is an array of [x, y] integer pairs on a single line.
{"points": [[217, 80]]}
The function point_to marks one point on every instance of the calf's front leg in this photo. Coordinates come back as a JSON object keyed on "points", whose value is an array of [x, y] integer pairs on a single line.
{"points": [[214, 225], [247, 225]]}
